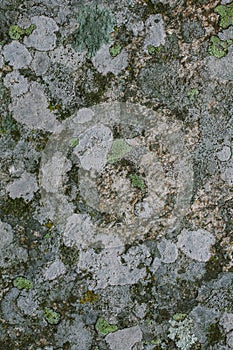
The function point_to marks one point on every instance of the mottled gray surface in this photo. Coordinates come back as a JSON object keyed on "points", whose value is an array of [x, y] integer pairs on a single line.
{"points": [[116, 175]]}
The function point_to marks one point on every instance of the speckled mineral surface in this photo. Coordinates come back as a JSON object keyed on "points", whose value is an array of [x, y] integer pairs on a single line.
{"points": [[116, 175]]}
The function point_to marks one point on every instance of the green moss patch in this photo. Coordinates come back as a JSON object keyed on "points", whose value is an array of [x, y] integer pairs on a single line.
{"points": [[51, 316], [137, 181], [192, 94], [226, 15], [16, 32], [115, 49], [218, 48], [104, 328], [22, 283]]}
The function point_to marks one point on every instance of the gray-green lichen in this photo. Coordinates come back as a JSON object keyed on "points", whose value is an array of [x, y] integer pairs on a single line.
{"points": [[95, 25], [118, 150], [181, 332]]}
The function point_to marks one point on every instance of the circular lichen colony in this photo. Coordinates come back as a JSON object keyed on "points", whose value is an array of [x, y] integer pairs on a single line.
{"points": [[133, 171]]}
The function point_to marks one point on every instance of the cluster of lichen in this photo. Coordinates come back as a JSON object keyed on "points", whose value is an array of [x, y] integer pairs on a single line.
{"points": [[51, 316], [103, 327], [218, 48], [16, 32], [181, 331], [118, 150], [94, 27], [22, 283], [226, 15]]}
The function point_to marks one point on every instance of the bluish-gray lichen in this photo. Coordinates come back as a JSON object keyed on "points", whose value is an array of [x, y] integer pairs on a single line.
{"points": [[95, 25]]}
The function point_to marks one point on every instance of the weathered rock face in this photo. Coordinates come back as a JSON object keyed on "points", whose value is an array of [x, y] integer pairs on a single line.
{"points": [[116, 175]]}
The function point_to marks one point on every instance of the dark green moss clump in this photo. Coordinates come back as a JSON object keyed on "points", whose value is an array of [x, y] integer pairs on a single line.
{"points": [[95, 26], [214, 334]]}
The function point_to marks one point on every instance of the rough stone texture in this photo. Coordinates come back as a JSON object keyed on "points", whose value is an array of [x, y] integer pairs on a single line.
{"points": [[196, 244], [227, 321], [168, 251], [221, 68], [6, 235], [24, 187], [43, 38], [227, 175], [224, 154], [27, 302], [226, 34], [17, 55], [17, 84], [40, 63], [79, 231], [155, 33], [230, 339], [54, 270], [105, 63], [67, 57], [32, 109], [1, 61], [75, 332], [107, 268], [93, 147], [124, 339], [116, 175]]}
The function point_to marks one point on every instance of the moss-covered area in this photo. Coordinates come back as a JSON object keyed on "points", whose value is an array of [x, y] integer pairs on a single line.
{"points": [[179, 317], [193, 94], [73, 142], [17, 208], [214, 265], [115, 49], [9, 127], [51, 316], [103, 327], [95, 25], [16, 32], [226, 15], [89, 297], [214, 334], [137, 181], [218, 48], [22, 283]]}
